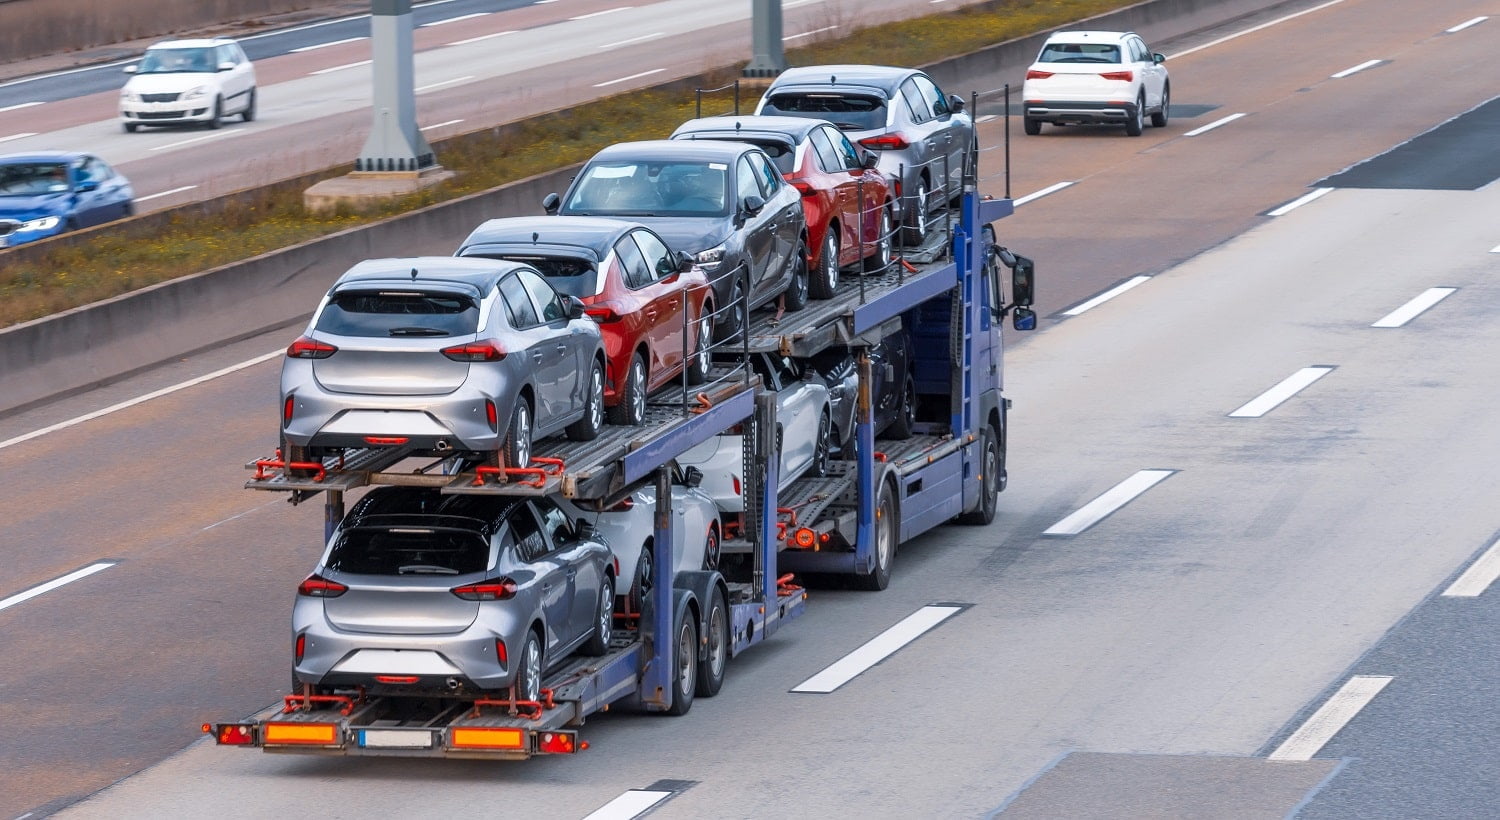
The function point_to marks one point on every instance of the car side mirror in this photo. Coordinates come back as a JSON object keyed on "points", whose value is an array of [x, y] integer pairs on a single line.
{"points": [[131, 69], [1022, 275], [754, 204], [575, 307], [86, 186], [1158, 58], [955, 103], [684, 262], [552, 203], [692, 477], [226, 66], [869, 161], [1023, 318], [585, 529]]}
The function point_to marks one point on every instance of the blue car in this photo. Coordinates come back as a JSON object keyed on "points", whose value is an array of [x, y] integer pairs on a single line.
{"points": [[45, 193]]}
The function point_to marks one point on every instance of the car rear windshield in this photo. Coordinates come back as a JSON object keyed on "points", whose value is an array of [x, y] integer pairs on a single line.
{"points": [[654, 188], [32, 178], [569, 275], [409, 551], [384, 313], [850, 112], [1080, 53]]}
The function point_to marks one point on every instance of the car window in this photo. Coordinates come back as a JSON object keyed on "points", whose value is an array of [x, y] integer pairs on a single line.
{"points": [[392, 313], [632, 263], [744, 181], [517, 303], [935, 97], [93, 169], [555, 523], [845, 148], [568, 274], [409, 550], [770, 178], [783, 154], [658, 258], [526, 534], [915, 102], [1142, 53], [850, 112], [1079, 53], [548, 304], [828, 156], [225, 55]]}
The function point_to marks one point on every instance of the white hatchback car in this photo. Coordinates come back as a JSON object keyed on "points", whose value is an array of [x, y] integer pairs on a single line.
{"points": [[1096, 77], [189, 82]]}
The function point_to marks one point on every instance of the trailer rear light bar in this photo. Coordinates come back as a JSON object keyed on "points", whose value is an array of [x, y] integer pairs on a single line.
{"points": [[302, 734], [486, 737], [231, 734]]}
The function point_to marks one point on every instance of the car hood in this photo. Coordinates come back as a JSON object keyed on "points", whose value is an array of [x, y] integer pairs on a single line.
{"points": [[32, 207], [169, 83], [689, 234]]}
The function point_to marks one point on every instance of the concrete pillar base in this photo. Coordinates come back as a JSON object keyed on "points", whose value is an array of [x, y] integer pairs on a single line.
{"points": [[363, 189]]}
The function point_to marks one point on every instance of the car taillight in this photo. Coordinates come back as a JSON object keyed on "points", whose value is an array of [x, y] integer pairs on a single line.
{"points": [[404, 680], [301, 646], [623, 505], [499, 589], [491, 415], [286, 409], [316, 586], [806, 189], [1124, 76], [475, 352], [1036, 74], [310, 348], [736, 481], [500, 653], [885, 142], [601, 314]]}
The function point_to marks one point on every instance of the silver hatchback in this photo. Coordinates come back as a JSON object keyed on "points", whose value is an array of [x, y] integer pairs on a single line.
{"points": [[471, 357], [421, 594]]}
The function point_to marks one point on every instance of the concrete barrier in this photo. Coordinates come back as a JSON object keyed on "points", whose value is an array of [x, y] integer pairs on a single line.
{"points": [[103, 342]]}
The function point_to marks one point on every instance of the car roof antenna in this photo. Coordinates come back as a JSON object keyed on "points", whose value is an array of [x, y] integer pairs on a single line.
{"points": [[414, 274], [534, 236]]}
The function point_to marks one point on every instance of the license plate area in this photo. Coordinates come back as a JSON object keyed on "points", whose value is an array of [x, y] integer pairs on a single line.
{"points": [[397, 738]]}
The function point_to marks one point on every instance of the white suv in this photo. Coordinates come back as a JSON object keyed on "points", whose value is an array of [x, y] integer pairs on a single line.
{"points": [[1096, 77], [189, 82]]}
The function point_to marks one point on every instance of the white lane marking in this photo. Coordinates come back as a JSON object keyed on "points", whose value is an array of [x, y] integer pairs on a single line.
{"points": [[1299, 202], [1331, 717], [1285, 389], [55, 583], [165, 193], [206, 137], [631, 804], [479, 38], [1414, 308], [1478, 577], [155, 394], [1211, 126], [442, 83], [455, 19], [1135, 281], [1050, 189], [796, 3], [328, 44], [439, 125], [790, 37], [1495, 249], [17, 137], [601, 13], [18, 106], [987, 118], [631, 77], [1252, 29], [1106, 504], [339, 68], [1465, 24], [640, 39], [877, 649], [1355, 69]]}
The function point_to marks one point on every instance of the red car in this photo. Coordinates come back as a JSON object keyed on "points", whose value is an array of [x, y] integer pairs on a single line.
{"points": [[633, 285], [841, 189]]}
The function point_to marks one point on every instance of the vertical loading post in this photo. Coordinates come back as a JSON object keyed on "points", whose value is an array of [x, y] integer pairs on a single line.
{"points": [[656, 683]]}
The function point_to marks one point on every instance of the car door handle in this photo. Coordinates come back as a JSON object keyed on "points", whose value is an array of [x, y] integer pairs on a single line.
{"points": [[562, 348]]}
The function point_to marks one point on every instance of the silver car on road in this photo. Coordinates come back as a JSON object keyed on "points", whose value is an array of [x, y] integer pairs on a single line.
{"points": [[473, 357], [422, 594]]}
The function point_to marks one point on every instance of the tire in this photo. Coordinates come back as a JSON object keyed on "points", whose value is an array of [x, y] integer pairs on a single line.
{"points": [[516, 449], [701, 363], [640, 588], [989, 477], [915, 232], [880, 260], [248, 115], [529, 675], [711, 549], [734, 313], [716, 647], [825, 280], [129, 210], [1031, 127], [1159, 119], [130, 127], [291, 453], [631, 410], [905, 421], [821, 449], [588, 427], [1137, 124], [885, 543], [796, 291], [684, 666], [604, 620], [217, 118]]}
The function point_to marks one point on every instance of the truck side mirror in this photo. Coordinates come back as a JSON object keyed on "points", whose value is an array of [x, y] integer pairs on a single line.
{"points": [[551, 203], [1021, 280], [1023, 318]]}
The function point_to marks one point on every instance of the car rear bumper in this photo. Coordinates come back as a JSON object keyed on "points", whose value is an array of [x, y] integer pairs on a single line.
{"points": [[1079, 111]]}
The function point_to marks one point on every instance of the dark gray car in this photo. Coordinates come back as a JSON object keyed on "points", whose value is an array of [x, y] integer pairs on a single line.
{"points": [[723, 203], [920, 133]]}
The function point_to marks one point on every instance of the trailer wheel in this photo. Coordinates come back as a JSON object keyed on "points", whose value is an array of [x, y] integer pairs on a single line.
{"points": [[716, 647], [529, 676], [604, 619], [685, 666], [885, 543], [989, 478]]}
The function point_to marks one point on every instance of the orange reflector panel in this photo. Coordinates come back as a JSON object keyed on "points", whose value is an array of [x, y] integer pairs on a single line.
{"points": [[487, 738], [320, 734]]}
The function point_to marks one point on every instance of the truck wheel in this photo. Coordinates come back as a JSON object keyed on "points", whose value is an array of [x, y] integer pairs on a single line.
{"points": [[885, 543], [529, 676], [604, 619], [588, 427], [989, 478], [685, 666], [716, 643]]}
